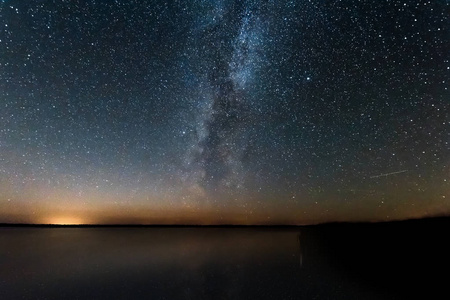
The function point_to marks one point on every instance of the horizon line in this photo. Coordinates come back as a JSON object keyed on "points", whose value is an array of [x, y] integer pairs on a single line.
{"points": [[7, 224]]}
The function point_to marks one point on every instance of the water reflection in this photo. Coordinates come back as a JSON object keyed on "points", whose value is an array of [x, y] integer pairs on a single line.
{"points": [[183, 263], [162, 262]]}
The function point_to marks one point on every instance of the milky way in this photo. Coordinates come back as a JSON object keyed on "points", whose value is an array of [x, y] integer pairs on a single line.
{"points": [[223, 128], [247, 112]]}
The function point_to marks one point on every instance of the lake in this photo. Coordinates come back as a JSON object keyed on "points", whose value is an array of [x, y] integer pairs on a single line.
{"points": [[348, 261]]}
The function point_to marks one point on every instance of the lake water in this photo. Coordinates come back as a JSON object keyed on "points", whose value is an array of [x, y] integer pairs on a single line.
{"points": [[378, 261]]}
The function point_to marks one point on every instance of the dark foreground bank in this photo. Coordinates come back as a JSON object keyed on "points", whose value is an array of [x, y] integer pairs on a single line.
{"points": [[396, 260]]}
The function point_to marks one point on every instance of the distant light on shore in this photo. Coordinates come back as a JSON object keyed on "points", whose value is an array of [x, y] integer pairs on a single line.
{"points": [[65, 220]]}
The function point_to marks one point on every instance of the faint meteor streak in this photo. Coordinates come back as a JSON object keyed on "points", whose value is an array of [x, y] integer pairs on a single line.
{"points": [[388, 174]]}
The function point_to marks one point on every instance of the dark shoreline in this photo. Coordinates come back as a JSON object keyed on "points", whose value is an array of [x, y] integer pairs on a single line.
{"points": [[424, 221]]}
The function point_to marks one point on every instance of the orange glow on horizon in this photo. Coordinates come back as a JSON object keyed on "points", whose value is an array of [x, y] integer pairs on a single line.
{"points": [[65, 220]]}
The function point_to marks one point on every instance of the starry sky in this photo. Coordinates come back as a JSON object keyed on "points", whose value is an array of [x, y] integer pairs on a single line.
{"points": [[224, 112]]}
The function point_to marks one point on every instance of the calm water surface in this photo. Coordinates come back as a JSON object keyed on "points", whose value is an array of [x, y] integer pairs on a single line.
{"points": [[338, 262]]}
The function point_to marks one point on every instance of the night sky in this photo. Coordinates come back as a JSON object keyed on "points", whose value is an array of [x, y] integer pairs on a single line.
{"points": [[224, 112]]}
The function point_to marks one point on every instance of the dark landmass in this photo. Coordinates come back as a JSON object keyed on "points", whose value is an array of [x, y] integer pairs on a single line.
{"points": [[404, 259]]}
